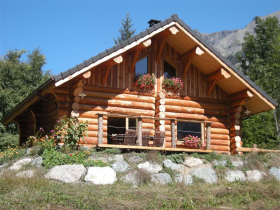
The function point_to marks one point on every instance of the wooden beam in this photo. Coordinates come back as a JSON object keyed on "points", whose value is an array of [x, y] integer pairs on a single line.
{"points": [[191, 53], [243, 149], [87, 75], [173, 134], [187, 67], [106, 75], [211, 87], [134, 61], [100, 129], [218, 75], [139, 131], [241, 95], [208, 136], [160, 48]]}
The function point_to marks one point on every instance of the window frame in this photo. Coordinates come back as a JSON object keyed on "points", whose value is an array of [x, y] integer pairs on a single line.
{"points": [[202, 127], [148, 63]]}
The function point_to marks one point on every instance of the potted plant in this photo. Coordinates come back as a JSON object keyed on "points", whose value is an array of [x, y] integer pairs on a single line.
{"points": [[172, 85], [194, 142], [144, 81]]}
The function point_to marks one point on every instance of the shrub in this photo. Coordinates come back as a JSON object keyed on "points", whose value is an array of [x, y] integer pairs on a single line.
{"points": [[53, 158], [144, 81], [112, 151], [213, 156], [176, 158], [175, 83], [11, 153]]}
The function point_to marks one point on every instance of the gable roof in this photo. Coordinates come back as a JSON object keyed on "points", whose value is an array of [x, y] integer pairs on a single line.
{"points": [[132, 42]]}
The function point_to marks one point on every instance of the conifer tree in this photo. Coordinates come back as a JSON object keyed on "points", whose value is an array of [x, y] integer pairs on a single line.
{"points": [[126, 31]]}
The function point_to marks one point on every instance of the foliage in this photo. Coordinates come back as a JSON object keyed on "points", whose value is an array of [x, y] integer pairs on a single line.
{"points": [[7, 139], [126, 31], [260, 61], [11, 153], [176, 158], [210, 157], [112, 151], [175, 83], [194, 142], [145, 81], [18, 79], [53, 158], [37, 137], [70, 131]]}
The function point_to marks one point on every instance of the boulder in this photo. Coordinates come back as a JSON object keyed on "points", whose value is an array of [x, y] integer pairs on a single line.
{"points": [[135, 159], [254, 175], [4, 165], [192, 162], [131, 178], [237, 163], [178, 178], [101, 175], [275, 172], [26, 174], [205, 173], [116, 158], [37, 162], [169, 164], [161, 178], [66, 173], [121, 166], [20, 163], [233, 176], [150, 167], [188, 180], [219, 163]]}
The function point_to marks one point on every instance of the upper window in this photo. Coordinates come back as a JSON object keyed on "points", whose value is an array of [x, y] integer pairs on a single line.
{"points": [[141, 66], [186, 128], [169, 70]]}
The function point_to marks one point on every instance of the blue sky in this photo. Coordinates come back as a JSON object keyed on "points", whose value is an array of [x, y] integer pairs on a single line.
{"points": [[69, 32]]}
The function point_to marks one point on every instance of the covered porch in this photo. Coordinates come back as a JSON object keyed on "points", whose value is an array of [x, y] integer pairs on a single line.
{"points": [[177, 145]]}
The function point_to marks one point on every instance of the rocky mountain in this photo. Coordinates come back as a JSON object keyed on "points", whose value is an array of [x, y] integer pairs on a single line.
{"points": [[228, 42]]}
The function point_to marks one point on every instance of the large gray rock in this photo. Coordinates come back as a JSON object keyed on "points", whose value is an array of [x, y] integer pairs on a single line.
{"points": [[131, 178], [37, 162], [188, 180], [135, 159], [192, 162], [19, 164], [275, 172], [206, 173], [169, 164], [121, 166], [116, 158], [237, 163], [66, 173], [179, 178], [150, 167], [254, 175], [220, 163], [101, 175], [3, 166], [161, 178], [233, 176], [26, 174]]}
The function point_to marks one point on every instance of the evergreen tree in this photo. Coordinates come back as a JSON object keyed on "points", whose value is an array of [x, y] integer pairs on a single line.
{"points": [[260, 60], [126, 31], [17, 80]]}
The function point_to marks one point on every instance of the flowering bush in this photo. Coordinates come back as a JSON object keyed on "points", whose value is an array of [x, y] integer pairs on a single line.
{"points": [[144, 81], [32, 139], [194, 142], [11, 153], [175, 83]]}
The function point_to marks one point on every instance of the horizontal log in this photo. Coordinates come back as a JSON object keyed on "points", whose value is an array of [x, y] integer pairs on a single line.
{"points": [[78, 91], [93, 121], [237, 109], [90, 114], [240, 102], [160, 102], [218, 75], [87, 103], [64, 104], [235, 122], [219, 125], [92, 140], [63, 98], [220, 148], [160, 95], [148, 121], [220, 136], [236, 133], [95, 133], [95, 128], [236, 115], [193, 104], [220, 142], [219, 131], [241, 95], [62, 90], [188, 98], [63, 111], [236, 145], [182, 109], [148, 126], [125, 97], [196, 117]]}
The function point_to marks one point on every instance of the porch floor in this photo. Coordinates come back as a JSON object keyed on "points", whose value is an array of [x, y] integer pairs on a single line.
{"points": [[153, 148]]}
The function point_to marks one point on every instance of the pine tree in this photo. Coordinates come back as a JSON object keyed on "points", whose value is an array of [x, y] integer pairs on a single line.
{"points": [[126, 31]]}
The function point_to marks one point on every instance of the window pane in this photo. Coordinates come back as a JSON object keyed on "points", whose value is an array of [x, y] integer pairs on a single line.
{"points": [[141, 66], [115, 126], [132, 123], [169, 70], [186, 128]]}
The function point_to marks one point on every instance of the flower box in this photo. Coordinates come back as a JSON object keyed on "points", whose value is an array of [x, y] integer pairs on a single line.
{"points": [[172, 85], [144, 82]]}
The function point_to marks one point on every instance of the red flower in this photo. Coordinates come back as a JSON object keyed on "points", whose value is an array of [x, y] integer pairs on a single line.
{"points": [[71, 155]]}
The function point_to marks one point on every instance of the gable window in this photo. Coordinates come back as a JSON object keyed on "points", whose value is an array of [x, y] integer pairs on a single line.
{"points": [[169, 70], [187, 128], [141, 66]]}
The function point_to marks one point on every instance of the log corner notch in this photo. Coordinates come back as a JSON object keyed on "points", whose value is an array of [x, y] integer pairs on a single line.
{"points": [[108, 65], [162, 38], [189, 56], [136, 52], [214, 77]]}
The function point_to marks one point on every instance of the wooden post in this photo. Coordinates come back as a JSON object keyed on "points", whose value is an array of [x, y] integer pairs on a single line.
{"points": [[208, 136], [173, 136], [139, 131], [100, 129]]}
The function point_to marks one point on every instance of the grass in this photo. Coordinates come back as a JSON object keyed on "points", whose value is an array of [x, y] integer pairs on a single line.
{"points": [[40, 193]]}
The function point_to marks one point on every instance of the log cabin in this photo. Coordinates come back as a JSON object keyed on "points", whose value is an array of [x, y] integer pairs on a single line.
{"points": [[214, 98]]}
